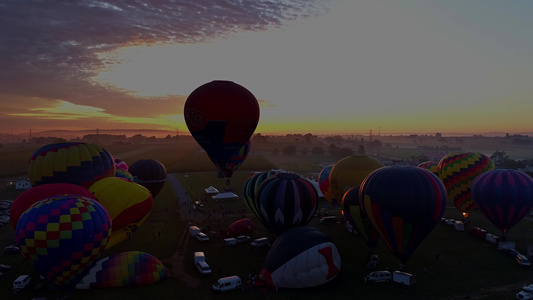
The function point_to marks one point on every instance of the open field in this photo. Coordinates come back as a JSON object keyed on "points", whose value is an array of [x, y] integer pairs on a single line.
{"points": [[448, 264]]}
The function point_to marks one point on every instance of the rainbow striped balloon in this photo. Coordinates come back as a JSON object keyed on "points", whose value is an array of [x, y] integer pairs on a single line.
{"points": [[62, 236], [457, 171], [131, 268]]}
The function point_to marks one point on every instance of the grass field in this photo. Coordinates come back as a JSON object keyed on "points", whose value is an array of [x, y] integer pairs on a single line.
{"points": [[448, 264]]}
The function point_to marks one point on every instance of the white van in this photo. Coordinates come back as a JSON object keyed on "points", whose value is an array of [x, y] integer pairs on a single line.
{"points": [[459, 226], [225, 284], [203, 268], [193, 230], [21, 282], [230, 242], [198, 256], [202, 237], [260, 242], [378, 276], [403, 278]]}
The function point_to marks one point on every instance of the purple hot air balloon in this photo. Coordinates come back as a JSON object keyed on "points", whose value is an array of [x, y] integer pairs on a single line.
{"points": [[503, 196]]}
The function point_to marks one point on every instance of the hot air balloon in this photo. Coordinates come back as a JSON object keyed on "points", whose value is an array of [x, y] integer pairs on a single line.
{"points": [[226, 167], [432, 166], [221, 116], [301, 257], [62, 236], [404, 204], [76, 163], [504, 196], [240, 227], [37, 193], [131, 268], [286, 200], [127, 202], [323, 183], [149, 173], [349, 172], [120, 164], [250, 188], [457, 171], [124, 174], [356, 216]]}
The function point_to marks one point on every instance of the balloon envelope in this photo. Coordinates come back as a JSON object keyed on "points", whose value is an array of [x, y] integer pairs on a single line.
{"points": [[128, 204], [323, 183], [226, 167], [403, 204], [239, 227], [357, 217], [37, 193], [432, 166], [149, 173], [221, 116], [76, 163], [301, 257], [286, 200], [457, 171], [62, 236], [504, 196], [349, 172], [250, 188], [131, 268]]}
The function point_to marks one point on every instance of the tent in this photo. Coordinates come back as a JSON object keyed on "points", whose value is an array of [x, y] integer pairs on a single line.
{"points": [[211, 190], [225, 196]]}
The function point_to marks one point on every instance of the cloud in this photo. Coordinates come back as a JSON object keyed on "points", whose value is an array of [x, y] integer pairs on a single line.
{"points": [[50, 49]]}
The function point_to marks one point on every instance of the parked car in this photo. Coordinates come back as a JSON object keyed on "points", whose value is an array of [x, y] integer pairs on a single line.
{"points": [[523, 295], [260, 242], [378, 276], [230, 242], [523, 261], [403, 278], [230, 283], [243, 239], [510, 252], [528, 288], [21, 282], [4, 268], [202, 237], [478, 232], [13, 249], [203, 268], [373, 262], [199, 256]]}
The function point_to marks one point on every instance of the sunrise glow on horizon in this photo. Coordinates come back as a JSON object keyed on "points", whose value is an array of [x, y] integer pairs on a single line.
{"points": [[328, 67]]}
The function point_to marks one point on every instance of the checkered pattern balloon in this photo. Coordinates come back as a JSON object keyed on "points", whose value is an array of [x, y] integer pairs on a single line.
{"points": [[457, 171], [62, 236]]}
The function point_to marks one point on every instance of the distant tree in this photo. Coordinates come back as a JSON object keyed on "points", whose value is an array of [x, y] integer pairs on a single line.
{"points": [[332, 149], [317, 150], [304, 151], [275, 151], [361, 149], [438, 135], [289, 150]]}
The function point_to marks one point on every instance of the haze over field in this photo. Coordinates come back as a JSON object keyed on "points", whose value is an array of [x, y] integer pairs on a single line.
{"points": [[324, 66]]}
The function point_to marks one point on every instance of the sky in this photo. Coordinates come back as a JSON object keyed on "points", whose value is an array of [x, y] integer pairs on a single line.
{"points": [[315, 66]]}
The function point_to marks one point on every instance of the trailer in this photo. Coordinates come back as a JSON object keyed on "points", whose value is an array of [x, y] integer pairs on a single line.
{"points": [[403, 278]]}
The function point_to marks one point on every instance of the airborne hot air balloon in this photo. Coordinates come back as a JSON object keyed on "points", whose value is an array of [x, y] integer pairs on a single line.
{"points": [[458, 171], [357, 217], [221, 116], [149, 173], [286, 200], [226, 167], [37, 193], [131, 268], [127, 202], [62, 236], [301, 257], [349, 172], [504, 196], [404, 204], [76, 163]]}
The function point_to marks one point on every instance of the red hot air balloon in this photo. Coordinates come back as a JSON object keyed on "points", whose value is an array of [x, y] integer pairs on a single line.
{"points": [[221, 116], [37, 193], [503, 196], [404, 204]]}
